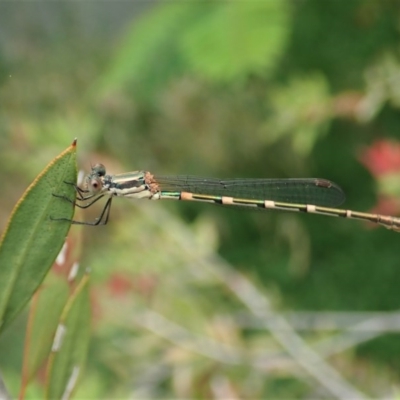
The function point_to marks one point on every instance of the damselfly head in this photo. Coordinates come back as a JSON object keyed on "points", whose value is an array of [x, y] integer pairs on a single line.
{"points": [[94, 181]]}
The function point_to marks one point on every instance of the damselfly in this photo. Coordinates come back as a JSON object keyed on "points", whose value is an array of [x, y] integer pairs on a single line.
{"points": [[312, 195]]}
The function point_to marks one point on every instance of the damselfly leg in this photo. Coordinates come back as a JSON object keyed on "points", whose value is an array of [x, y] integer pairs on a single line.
{"points": [[104, 215]]}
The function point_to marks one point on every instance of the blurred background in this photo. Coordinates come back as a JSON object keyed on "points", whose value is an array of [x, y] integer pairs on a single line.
{"points": [[198, 301]]}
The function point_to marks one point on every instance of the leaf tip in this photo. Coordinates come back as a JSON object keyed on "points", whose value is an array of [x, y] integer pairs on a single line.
{"points": [[74, 142]]}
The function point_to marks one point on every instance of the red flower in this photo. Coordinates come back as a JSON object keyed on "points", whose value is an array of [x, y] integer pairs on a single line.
{"points": [[382, 157]]}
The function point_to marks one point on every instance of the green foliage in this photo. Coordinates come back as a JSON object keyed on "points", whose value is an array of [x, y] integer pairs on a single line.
{"points": [[224, 42], [31, 240], [301, 109], [149, 54], [67, 361], [236, 40], [43, 323]]}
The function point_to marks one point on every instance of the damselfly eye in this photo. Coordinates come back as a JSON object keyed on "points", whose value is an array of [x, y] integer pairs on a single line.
{"points": [[99, 169], [94, 185]]}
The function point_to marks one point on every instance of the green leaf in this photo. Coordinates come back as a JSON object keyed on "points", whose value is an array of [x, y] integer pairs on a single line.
{"points": [[221, 41], [31, 240], [148, 55], [43, 321], [238, 39], [69, 355], [301, 110]]}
